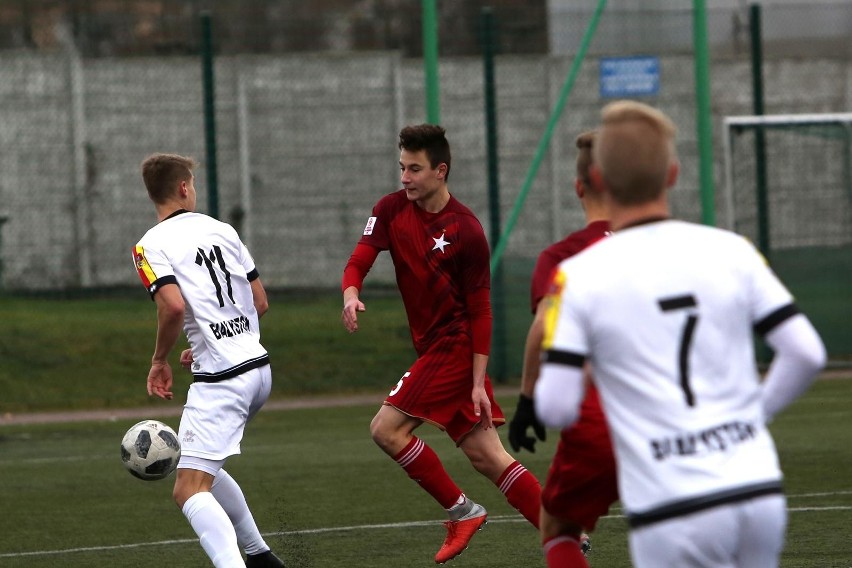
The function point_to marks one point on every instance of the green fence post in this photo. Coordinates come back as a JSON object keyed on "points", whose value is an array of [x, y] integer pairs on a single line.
{"points": [[759, 132], [209, 115], [762, 351], [497, 254], [705, 128], [498, 293], [3, 219], [430, 62]]}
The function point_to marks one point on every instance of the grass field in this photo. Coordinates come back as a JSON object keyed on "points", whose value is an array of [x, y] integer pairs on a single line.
{"points": [[321, 491], [325, 496], [94, 351]]}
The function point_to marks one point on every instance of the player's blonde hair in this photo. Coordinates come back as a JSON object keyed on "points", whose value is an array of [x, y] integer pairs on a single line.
{"points": [[162, 173], [634, 151]]}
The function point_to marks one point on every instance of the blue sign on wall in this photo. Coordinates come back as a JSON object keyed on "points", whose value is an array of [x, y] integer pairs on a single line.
{"points": [[629, 76]]}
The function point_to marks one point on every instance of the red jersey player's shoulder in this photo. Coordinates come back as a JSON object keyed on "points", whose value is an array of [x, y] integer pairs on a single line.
{"points": [[576, 241], [393, 201], [459, 208], [559, 251]]}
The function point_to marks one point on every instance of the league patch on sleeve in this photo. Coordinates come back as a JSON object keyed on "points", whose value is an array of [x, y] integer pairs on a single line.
{"points": [[146, 274], [371, 223], [553, 302]]}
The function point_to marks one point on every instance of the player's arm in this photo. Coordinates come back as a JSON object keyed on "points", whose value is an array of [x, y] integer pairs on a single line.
{"points": [[356, 270], [524, 416], [799, 356], [561, 384], [799, 351], [560, 389], [170, 314], [481, 403], [258, 294], [479, 309], [532, 353]]}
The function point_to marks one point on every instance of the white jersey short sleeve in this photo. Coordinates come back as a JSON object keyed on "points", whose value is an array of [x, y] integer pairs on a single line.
{"points": [[665, 312], [213, 269]]}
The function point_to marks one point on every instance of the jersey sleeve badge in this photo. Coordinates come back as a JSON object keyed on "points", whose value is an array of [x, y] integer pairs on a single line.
{"points": [[553, 302], [146, 273], [371, 223]]}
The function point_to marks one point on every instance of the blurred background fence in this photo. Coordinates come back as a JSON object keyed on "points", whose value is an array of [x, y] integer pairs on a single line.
{"points": [[309, 98]]}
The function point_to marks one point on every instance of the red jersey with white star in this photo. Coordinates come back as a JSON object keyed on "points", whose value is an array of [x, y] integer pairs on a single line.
{"points": [[439, 259]]}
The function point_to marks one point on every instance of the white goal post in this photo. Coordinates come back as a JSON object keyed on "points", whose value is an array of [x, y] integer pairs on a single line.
{"points": [[734, 124]]}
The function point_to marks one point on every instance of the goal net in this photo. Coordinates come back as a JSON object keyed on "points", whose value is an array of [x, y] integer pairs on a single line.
{"points": [[788, 187]]}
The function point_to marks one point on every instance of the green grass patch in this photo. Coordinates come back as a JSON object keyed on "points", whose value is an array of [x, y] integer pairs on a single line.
{"points": [[93, 350], [61, 353], [326, 496]]}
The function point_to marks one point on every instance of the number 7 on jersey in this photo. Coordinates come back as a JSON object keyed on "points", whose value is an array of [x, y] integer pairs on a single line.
{"points": [[685, 302]]}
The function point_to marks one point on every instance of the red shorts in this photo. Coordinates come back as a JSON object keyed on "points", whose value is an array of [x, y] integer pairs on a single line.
{"points": [[582, 482], [436, 389]]}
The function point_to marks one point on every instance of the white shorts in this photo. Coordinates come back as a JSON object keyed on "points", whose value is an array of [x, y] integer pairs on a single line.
{"points": [[215, 414], [745, 534]]}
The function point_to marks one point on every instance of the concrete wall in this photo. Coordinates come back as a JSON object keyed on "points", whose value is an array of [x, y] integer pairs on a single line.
{"points": [[791, 27], [307, 144]]}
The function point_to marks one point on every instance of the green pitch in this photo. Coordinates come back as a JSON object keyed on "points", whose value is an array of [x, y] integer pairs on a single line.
{"points": [[325, 496]]}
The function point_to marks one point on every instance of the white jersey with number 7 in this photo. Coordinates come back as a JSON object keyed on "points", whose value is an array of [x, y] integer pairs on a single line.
{"points": [[665, 312]]}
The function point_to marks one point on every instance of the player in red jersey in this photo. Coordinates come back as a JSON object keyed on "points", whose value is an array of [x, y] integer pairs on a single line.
{"points": [[581, 483], [667, 312], [441, 259]]}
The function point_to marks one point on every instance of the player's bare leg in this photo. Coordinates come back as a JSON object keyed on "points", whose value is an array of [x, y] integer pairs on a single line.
{"points": [[562, 542], [488, 456], [393, 432]]}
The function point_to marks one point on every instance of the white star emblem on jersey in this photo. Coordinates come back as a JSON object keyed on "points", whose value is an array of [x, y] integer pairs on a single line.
{"points": [[440, 243]]}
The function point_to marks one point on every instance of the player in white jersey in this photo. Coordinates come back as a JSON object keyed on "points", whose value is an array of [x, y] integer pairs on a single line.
{"points": [[665, 310], [204, 280]]}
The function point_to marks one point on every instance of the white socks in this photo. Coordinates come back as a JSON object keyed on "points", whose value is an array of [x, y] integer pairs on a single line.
{"points": [[461, 508], [229, 495], [214, 529]]}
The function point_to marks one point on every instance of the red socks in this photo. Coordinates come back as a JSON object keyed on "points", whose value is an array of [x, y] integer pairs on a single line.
{"points": [[421, 463], [522, 491], [564, 552]]}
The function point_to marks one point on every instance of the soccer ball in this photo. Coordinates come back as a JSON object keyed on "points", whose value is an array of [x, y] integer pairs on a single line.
{"points": [[150, 450]]}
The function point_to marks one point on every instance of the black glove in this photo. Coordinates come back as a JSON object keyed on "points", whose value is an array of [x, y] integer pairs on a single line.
{"points": [[523, 419]]}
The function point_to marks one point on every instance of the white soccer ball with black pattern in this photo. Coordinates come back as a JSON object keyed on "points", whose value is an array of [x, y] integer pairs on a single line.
{"points": [[150, 450]]}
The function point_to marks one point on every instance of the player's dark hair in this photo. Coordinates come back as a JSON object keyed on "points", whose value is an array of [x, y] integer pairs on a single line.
{"points": [[431, 138], [162, 173], [584, 144]]}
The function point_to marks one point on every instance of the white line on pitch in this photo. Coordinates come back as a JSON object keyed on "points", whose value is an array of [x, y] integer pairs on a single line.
{"points": [[496, 519]]}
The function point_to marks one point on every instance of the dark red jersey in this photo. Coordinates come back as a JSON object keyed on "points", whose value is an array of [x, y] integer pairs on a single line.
{"points": [[559, 251], [439, 259], [581, 483]]}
